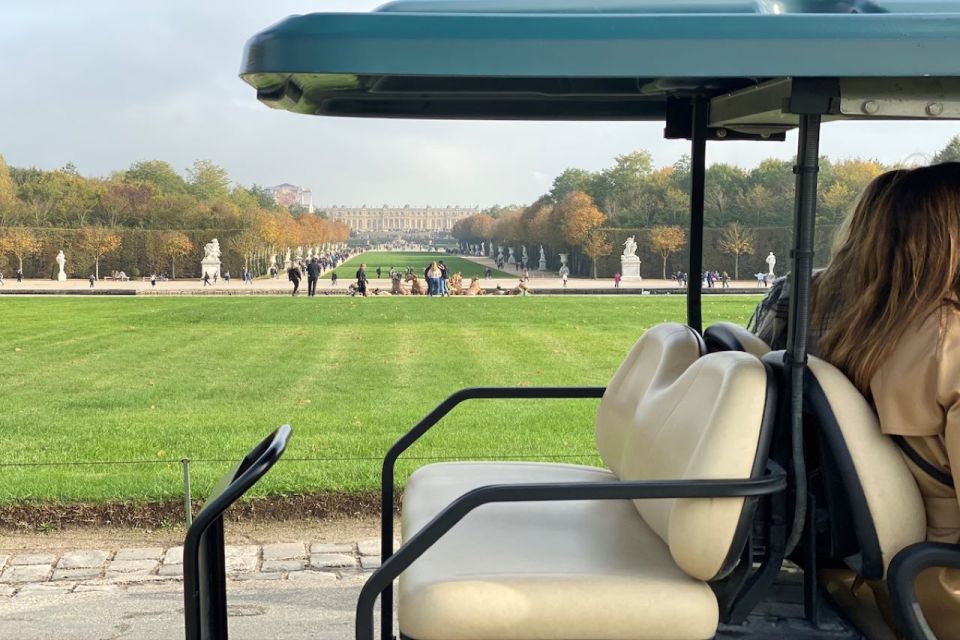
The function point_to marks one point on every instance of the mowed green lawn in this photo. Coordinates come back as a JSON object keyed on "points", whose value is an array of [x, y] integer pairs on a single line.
{"points": [[129, 386], [418, 260]]}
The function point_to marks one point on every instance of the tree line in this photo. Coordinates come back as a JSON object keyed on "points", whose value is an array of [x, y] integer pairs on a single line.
{"points": [[148, 218], [585, 212]]}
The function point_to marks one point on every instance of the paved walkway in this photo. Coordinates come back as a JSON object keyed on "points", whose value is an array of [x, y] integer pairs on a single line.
{"points": [[110, 569], [285, 590], [269, 286]]}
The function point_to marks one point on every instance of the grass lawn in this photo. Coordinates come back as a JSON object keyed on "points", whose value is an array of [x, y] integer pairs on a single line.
{"points": [[148, 381], [418, 260]]}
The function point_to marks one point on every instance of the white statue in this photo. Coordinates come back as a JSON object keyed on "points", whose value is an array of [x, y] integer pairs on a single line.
{"points": [[511, 259], [61, 260], [771, 262], [543, 260], [630, 246], [525, 258], [211, 259], [211, 250], [483, 248]]}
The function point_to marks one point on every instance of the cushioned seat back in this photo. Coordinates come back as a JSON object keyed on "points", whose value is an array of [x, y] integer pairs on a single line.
{"points": [[663, 352], [709, 420], [863, 477], [727, 336]]}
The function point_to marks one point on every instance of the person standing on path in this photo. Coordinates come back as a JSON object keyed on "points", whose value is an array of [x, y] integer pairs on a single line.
{"points": [[378, 272], [725, 280], [206, 279], [92, 279], [293, 275], [616, 280], [153, 280], [362, 280], [444, 291], [313, 274], [433, 279], [19, 274], [333, 278]]}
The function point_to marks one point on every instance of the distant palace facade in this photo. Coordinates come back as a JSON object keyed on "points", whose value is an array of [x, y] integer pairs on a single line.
{"points": [[403, 220]]}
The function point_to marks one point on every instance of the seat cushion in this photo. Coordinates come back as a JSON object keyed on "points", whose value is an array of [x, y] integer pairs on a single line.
{"points": [[570, 570]]}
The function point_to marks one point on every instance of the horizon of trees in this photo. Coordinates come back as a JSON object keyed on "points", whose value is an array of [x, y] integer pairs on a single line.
{"points": [[147, 218], [633, 194]]}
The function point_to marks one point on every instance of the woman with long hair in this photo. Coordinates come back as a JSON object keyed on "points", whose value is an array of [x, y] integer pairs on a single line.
{"points": [[886, 311]]}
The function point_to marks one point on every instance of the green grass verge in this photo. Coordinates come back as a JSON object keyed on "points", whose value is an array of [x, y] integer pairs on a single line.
{"points": [[418, 260], [90, 380]]}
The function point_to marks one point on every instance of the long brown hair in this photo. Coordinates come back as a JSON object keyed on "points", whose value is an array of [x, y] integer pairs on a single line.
{"points": [[896, 260]]}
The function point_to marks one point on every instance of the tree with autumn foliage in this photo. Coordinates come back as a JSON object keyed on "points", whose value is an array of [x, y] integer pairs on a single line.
{"points": [[737, 240], [176, 245], [97, 242], [21, 243], [667, 240], [580, 223]]}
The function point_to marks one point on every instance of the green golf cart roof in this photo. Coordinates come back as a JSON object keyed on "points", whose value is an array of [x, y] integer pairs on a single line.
{"points": [[609, 59]]}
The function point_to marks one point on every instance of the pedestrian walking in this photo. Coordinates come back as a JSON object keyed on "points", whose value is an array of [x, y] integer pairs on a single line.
{"points": [[616, 280], [725, 280], [313, 274], [362, 280], [333, 278], [761, 279], [92, 279], [1, 279], [226, 277], [19, 274], [293, 275], [153, 281], [378, 272]]}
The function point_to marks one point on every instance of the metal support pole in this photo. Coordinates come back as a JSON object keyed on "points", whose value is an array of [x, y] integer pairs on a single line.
{"points": [[698, 172], [187, 498], [805, 211]]}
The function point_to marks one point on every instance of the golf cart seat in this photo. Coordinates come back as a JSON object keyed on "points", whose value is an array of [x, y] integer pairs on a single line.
{"points": [[866, 504], [727, 336], [604, 568]]}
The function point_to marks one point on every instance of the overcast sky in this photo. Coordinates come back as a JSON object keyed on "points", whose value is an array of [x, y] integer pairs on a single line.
{"points": [[103, 83]]}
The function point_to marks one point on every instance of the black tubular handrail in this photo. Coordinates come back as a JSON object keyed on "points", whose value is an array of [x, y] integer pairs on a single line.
{"points": [[204, 578], [426, 423], [382, 579], [901, 581]]}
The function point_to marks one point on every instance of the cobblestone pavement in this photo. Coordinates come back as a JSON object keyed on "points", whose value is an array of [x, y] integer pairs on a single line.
{"points": [[114, 569]]}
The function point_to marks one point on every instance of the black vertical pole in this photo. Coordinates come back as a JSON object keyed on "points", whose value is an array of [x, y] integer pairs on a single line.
{"points": [[386, 546], [698, 172], [805, 210]]}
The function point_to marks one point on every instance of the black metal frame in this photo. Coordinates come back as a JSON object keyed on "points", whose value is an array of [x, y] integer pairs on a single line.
{"points": [[901, 580], [389, 461], [381, 581], [698, 177], [204, 567]]}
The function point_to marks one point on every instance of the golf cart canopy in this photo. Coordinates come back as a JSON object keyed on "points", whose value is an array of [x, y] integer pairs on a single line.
{"points": [[615, 60]]}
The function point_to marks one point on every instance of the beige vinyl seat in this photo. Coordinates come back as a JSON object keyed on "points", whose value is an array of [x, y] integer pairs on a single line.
{"points": [[614, 569]]}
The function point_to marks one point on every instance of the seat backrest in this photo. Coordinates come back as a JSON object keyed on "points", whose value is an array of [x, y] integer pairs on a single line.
{"points": [[864, 478], [663, 352], [709, 419], [727, 336]]}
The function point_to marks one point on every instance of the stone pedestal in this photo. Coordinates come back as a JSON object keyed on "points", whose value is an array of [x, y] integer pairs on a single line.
{"points": [[210, 266], [62, 277], [630, 268]]}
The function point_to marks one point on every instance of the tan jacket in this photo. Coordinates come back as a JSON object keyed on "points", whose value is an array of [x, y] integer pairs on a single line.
{"points": [[916, 393]]}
